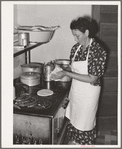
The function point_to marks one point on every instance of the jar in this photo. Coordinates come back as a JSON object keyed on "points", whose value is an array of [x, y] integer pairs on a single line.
{"points": [[23, 39]]}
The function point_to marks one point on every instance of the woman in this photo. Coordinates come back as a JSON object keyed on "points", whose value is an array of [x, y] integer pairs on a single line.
{"points": [[87, 66]]}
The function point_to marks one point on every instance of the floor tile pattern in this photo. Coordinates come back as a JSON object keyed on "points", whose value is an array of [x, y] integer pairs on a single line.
{"points": [[106, 138]]}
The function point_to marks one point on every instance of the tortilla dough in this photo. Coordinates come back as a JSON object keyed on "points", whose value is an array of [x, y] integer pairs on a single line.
{"points": [[44, 92], [53, 73]]}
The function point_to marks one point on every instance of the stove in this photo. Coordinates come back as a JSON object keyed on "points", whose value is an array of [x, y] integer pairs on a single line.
{"points": [[38, 117]]}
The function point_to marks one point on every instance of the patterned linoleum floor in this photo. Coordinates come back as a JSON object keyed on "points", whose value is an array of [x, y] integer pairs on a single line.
{"points": [[106, 138]]}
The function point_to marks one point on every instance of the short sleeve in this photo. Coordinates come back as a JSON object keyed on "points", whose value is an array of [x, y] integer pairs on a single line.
{"points": [[97, 61]]}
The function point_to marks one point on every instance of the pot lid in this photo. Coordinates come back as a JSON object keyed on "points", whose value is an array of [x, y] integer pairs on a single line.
{"points": [[32, 65], [30, 75]]}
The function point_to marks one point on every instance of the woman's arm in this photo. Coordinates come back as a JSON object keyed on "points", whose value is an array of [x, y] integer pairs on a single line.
{"points": [[84, 78], [81, 77]]}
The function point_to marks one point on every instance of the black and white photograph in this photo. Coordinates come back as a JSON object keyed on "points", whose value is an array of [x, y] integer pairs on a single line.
{"points": [[61, 74]]}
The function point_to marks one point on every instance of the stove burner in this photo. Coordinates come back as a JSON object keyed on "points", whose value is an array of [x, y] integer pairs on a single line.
{"points": [[43, 104], [32, 101], [23, 97], [25, 100]]}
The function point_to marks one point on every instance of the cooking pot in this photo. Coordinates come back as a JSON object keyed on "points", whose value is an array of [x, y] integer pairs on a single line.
{"points": [[32, 67], [30, 78]]}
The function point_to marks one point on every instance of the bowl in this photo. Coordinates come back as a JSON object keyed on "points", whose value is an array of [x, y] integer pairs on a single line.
{"points": [[62, 62], [39, 36]]}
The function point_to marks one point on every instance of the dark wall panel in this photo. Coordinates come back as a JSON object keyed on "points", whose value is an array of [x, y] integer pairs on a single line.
{"points": [[108, 32]]}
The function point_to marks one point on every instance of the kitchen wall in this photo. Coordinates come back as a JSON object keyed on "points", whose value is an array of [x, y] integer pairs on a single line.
{"points": [[19, 60], [52, 15], [15, 17]]}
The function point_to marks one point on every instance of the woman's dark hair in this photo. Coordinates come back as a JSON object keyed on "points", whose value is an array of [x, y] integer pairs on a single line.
{"points": [[83, 24]]}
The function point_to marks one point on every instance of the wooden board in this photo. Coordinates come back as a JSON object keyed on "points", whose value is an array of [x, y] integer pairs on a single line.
{"points": [[107, 104]]}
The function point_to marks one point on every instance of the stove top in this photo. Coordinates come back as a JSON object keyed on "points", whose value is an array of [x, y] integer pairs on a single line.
{"points": [[28, 102]]}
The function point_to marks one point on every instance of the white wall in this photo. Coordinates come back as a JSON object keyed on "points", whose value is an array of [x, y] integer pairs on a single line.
{"points": [[52, 15], [19, 60], [15, 17]]}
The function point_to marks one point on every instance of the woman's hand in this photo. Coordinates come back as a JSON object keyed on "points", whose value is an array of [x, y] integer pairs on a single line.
{"points": [[68, 68], [58, 75]]}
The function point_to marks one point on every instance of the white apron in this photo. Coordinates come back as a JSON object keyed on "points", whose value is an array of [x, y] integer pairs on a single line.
{"points": [[83, 99]]}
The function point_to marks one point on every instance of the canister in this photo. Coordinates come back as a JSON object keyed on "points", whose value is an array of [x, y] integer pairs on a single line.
{"points": [[23, 38]]}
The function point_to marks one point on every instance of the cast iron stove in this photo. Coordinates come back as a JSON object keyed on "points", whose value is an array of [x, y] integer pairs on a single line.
{"points": [[28, 102]]}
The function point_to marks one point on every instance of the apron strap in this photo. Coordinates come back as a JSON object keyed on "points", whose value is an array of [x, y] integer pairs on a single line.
{"points": [[89, 49], [76, 53], [87, 54], [78, 50]]}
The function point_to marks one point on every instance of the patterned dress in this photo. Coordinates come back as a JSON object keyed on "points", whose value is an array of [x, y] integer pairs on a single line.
{"points": [[96, 67]]}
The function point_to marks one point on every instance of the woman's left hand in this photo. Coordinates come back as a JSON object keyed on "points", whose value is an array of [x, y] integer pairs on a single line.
{"points": [[68, 68], [58, 75]]}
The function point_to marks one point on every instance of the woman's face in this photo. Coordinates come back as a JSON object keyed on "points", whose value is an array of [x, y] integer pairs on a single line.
{"points": [[79, 36]]}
